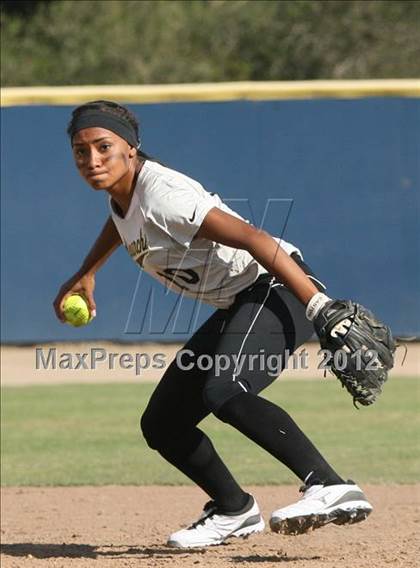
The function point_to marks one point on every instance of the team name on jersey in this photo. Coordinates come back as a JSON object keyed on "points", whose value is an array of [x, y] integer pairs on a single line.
{"points": [[138, 249]]}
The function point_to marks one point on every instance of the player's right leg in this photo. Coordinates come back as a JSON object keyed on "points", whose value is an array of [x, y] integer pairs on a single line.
{"points": [[215, 527], [169, 425]]}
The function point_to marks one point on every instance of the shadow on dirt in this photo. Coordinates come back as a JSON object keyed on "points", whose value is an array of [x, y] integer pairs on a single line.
{"points": [[272, 558], [44, 550], [41, 550]]}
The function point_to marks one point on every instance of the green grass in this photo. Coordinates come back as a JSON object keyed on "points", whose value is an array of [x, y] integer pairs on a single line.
{"points": [[89, 434]]}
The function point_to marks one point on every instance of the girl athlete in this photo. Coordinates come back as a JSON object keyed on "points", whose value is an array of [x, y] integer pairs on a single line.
{"points": [[265, 297]]}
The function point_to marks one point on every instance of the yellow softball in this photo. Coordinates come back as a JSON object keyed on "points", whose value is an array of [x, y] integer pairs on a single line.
{"points": [[76, 311]]}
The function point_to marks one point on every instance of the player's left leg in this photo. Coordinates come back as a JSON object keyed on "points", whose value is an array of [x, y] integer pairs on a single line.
{"points": [[272, 323], [264, 328], [321, 504]]}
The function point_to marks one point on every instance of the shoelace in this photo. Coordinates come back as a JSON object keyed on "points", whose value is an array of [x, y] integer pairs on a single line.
{"points": [[303, 488], [209, 510]]}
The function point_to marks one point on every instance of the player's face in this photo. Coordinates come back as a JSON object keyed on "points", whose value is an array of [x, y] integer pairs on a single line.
{"points": [[102, 157]]}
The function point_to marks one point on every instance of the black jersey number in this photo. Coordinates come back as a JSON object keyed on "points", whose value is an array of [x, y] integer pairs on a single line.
{"points": [[187, 275]]}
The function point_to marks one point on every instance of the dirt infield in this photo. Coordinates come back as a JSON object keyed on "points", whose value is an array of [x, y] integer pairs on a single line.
{"points": [[116, 527]]}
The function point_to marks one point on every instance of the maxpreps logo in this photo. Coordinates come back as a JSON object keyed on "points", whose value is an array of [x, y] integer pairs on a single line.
{"points": [[138, 249]]}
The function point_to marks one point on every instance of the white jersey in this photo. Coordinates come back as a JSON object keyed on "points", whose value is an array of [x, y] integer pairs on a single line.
{"points": [[166, 210]]}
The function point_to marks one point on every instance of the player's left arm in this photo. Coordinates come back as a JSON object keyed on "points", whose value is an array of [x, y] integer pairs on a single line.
{"points": [[231, 231], [340, 325]]}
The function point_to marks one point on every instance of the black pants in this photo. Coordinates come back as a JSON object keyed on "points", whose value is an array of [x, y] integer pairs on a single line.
{"points": [[265, 324]]}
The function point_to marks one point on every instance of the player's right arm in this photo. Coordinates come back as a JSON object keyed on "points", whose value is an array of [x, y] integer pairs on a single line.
{"points": [[83, 282]]}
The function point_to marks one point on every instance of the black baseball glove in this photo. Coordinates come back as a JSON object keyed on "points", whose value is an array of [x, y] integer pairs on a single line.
{"points": [[360, 347]]}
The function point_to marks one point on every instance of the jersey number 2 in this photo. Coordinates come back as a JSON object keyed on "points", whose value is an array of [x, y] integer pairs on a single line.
{"points": [[187, 275]]}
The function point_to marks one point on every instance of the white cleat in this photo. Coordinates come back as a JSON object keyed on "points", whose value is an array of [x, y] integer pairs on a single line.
{"points": [[214, 528], [342, 504]]}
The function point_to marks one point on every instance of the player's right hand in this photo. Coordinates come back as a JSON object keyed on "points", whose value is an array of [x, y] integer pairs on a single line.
{"points": [[83, 285]]}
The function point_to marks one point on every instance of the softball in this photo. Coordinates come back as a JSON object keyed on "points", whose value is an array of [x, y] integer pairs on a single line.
{"points": [[76, 311]]}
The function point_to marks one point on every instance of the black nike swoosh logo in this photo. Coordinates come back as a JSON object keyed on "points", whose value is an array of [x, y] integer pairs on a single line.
{"points": [[193, 216]]}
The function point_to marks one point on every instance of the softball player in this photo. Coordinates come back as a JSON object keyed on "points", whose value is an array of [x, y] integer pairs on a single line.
{"points": [[265, 297]]}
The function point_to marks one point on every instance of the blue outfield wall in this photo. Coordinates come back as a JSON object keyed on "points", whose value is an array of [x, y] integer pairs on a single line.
{"points": [[349, 168]]}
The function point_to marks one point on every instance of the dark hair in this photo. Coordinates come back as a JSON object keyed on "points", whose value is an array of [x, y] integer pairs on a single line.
{"points": [[109, 107]]}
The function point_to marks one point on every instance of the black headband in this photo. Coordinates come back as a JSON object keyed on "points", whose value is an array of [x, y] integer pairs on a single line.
{"points": [[116, 124]]}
